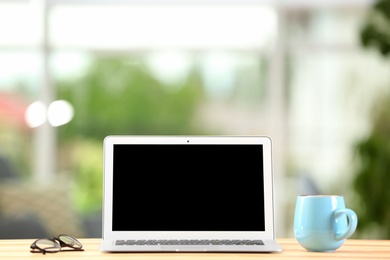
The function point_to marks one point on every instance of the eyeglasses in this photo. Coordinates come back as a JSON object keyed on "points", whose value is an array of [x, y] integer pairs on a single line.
{"points": [[55, 244]]}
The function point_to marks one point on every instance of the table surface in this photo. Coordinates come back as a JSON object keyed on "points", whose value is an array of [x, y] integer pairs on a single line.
{"points": [[16, 249]]}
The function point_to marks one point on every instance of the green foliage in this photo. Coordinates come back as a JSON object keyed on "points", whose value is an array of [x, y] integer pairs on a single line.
{"points": [[375, 32], [119, 96], [88, 167], [372, 177]]}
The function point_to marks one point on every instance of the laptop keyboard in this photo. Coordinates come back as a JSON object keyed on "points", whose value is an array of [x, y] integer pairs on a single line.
{"points": [[188, 242]]}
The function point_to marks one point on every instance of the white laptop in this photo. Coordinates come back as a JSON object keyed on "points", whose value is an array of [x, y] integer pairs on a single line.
{"points": [[188, 194]]}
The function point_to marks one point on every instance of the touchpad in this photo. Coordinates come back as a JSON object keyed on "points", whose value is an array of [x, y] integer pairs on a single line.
{"points": [[184, 248]]}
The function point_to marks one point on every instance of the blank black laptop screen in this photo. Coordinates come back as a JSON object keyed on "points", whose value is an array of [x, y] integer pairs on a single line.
{"points": [[188, 187]]}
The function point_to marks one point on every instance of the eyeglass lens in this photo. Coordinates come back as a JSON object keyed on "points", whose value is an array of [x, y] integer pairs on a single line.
{"points": [[70, 241], [47, 245], [55, 244]]}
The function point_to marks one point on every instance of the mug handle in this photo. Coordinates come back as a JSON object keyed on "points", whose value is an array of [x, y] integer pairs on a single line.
{"points": [[352, 223]]}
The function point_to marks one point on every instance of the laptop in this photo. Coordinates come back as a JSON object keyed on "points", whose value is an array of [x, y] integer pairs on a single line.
{"points": [[188, 194]]}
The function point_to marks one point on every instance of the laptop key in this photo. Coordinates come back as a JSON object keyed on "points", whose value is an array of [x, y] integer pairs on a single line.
{"points": [[120, 242]]}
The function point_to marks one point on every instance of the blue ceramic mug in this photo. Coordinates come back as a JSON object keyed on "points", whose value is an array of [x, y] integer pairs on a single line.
{"points": [[322, 222]]}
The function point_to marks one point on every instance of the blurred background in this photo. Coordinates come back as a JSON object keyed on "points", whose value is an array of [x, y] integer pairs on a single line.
{"points": [[312, 75]]}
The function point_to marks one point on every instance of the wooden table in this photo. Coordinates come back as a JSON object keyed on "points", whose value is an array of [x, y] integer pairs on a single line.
{"points": [[352, 249]]}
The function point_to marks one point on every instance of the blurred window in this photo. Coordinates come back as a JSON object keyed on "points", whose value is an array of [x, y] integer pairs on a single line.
{"points": [[294, 71]]}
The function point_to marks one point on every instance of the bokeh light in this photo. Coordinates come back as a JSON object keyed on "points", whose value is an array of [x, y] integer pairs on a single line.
{"points": [[36, 114], [58, 113]]}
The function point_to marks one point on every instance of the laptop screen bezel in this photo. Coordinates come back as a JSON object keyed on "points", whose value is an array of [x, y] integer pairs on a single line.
{"points": [[108, 152]]}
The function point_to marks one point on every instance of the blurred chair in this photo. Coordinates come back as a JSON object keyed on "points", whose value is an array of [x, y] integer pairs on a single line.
{"points": [[13, 227], [93, 225], [21, 228], [32, 206], [7, 172], [307, 186], [28, 210]]}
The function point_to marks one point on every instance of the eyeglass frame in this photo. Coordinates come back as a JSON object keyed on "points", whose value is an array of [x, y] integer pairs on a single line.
{"points": [[56, 241]]}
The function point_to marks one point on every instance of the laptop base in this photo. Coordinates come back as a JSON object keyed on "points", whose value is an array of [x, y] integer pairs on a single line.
{"points": [[267, 247]]}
